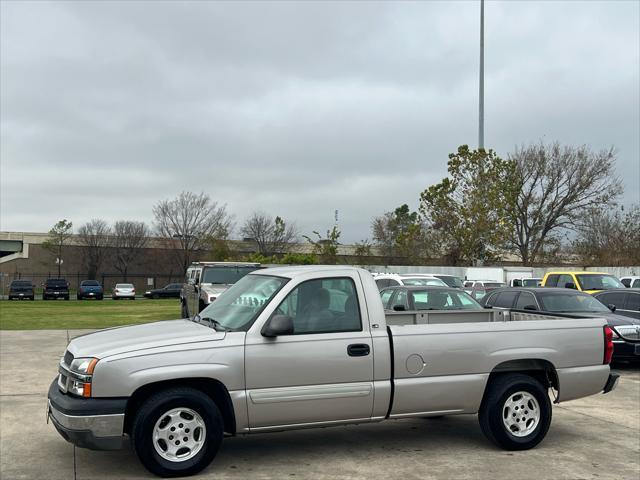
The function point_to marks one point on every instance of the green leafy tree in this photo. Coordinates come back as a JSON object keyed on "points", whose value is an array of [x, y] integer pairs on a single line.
{"points": [[326, 248], [299, 259], [401, 233], [363, 252], [471, 209], [58, 236]]}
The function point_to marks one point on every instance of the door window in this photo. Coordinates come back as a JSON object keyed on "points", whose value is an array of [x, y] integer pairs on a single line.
{"points": [[525, 299], [615, 298], [505, 299], [564, 279], [633, 302], [626, 282], [636, 283], [401, 299], [552, 281], [323, 306], [385, 297]]}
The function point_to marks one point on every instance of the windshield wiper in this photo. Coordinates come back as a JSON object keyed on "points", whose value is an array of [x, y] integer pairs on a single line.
{"points": [[216, 325]]}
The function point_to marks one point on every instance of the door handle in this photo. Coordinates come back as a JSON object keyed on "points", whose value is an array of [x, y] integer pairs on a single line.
{"points": [[358, 350]]}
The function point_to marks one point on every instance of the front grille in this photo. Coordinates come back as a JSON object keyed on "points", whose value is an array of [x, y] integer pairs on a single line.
{"points": [[631, 332], [68, 357]]}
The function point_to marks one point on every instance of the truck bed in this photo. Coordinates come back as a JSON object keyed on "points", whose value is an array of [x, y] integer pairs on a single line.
{"points": [[431, 317]]}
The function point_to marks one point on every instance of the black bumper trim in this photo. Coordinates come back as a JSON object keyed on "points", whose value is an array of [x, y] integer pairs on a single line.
{"points": [[612, 382], [70, 405]]}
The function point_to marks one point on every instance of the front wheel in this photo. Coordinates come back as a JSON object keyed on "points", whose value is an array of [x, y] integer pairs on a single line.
{"points": [[516, 412], [177, 432]]}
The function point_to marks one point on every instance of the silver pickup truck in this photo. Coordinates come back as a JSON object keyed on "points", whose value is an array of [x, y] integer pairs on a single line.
{"points": [[299, 347]]}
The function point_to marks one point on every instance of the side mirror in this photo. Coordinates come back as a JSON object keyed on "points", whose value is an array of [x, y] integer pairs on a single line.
{"points": [[278, 325], [530, 307], [398, 308], [611, 307], [570, 285]]}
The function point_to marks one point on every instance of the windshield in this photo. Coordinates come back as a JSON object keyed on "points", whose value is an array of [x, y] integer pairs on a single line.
{"points": [[598, 282], [225, 275], [424, 281], [21, 283], [531, 282], [443, 300], [570, 302], [451, 281], [124, 285], [494, 284], [90, 283], [237, 307]]}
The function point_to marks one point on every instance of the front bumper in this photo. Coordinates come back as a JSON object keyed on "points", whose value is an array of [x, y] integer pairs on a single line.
{"points": [[94, 423]]}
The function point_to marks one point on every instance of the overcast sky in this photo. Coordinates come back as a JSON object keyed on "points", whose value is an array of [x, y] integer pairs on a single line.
{"points": [[295, 108]]}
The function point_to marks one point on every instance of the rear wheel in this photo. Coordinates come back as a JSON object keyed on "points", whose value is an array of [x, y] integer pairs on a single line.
{"points": [[516, 412], [177, 432]]}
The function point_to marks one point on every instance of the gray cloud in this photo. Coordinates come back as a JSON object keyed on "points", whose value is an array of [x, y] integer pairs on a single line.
{"points": [[294, 108]]}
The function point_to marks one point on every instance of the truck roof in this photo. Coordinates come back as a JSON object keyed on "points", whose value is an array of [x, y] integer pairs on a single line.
{"points": [[295, 271]]}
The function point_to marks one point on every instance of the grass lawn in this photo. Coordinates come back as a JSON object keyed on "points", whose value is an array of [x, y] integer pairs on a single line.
{"points": [[60, 314]]}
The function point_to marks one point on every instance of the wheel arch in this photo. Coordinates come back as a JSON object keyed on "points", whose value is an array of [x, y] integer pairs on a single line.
{"points": [[540, 369], [211, 387]]}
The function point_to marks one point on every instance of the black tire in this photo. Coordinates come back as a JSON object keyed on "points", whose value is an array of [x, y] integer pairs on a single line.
{"points": [[156, 406], [491, 412], [155, 296], [66, 298], [78, 297]]}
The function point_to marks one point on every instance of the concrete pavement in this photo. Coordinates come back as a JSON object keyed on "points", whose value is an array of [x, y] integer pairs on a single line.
{"points": [[597, 437]]}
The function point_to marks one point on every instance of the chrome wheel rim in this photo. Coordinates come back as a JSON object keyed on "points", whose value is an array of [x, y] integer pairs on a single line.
{"points": [[521, 414], [179, 434]]}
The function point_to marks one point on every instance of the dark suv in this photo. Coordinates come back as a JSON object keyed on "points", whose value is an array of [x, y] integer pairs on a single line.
{"points": [[21, 289], [55, 288]]}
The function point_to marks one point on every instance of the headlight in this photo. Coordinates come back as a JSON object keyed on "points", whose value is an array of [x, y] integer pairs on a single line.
{"points": [[80, 383], [83, 365], [211, 299], [148, 292]]}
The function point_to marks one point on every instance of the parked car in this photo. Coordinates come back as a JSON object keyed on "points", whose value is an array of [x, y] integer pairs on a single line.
{"points": [[630, 282], [384, 280], [562, 300], [171, 290], [21, 290], [626, 302], [205, 281], [409, 298], [90, 289], [54, 288], [589, 282], [175, 388], [526, 282], [479, 288], [450, 280], [124, 290]]}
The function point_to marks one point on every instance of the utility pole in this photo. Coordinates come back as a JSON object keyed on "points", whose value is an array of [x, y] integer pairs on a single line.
{"points": [[481, 93]]}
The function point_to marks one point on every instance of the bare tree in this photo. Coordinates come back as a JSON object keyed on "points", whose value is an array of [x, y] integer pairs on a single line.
{"points": [[129, 240], [609, 237], [58, 236], [94, 236], [193, 221], [272, 235], [557, 185]]}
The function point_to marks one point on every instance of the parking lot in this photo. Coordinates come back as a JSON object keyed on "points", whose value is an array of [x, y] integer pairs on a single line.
{"points": [[596, 437]]}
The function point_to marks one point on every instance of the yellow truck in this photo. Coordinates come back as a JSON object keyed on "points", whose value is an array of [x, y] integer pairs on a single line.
{"points": [[588, 282]]}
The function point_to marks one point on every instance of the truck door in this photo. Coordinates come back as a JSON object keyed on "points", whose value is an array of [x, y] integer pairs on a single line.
{"points": [[323, 371]]}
